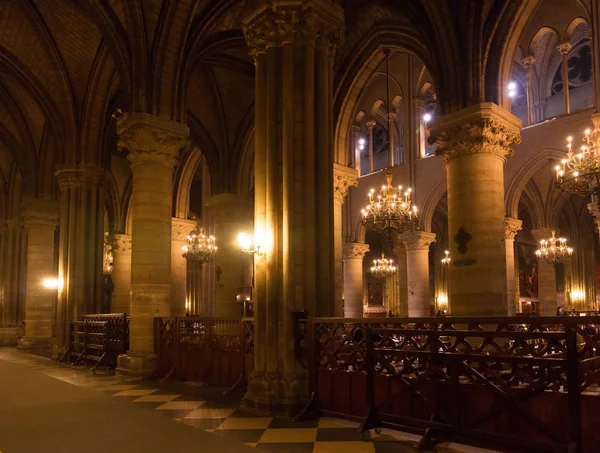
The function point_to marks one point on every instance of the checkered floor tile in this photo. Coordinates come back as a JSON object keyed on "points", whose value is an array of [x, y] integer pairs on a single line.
{"points": [[270, 434]]}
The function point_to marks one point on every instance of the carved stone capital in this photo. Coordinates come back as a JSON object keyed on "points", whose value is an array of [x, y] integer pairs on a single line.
{"points": [[392, 117], [483, 128], [36, 211], [511, 227], [69, 176], [354, 251], [229, 208], [343, 179], [418, 103], [151, 138], [121, 244], [528, 62], [564, 48], [370, 124], [181, 229], [417, 240]]}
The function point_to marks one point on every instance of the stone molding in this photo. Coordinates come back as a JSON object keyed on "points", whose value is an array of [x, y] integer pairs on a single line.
{"points": [[528, 62], [482, 128], [564, 48], [181, 229], [417, 240], [511, 227], [151, 138], [121, 244], [37, 211], [70, 176], [229, 207], [343, 178], [354, 251]]}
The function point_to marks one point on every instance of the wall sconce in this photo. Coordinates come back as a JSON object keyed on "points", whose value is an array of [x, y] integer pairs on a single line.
{"points": [[50, 283], [245, 243]]}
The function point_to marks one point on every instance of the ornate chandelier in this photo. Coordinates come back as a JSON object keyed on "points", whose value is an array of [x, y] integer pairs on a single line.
{"points": [[201, 248], [446, 259], [391, 210], [554, 250], [579, 172], [107, 256], [383, 267]]}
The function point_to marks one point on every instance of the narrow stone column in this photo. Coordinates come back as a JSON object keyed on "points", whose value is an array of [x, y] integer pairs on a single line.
{"points": [[194, 290], [528, 63], [417, 270], [400, 253], [343, 178], [564, 50], [391, 127], [231, 214], [81, 242], [370, 125], [353, 255], [474, 143], [511, 228], [10, 238], [121, 276], [419, 109], [546, 277], [39, 220], [181, 228], [153, 145]]}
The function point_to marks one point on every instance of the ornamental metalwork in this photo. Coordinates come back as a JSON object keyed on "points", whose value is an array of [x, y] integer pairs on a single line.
{"points": [[554, 250], [383, 267], [200, 248]]}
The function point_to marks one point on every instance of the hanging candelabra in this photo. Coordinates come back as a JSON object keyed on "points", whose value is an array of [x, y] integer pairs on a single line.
{"points": [[383, 267], [200, 248], [554, 250], [446, 259]]}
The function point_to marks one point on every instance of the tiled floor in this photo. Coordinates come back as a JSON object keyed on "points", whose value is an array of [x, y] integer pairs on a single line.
{"points": [[271, 434]]}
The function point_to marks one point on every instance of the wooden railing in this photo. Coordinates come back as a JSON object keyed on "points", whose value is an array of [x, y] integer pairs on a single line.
{"points": [[489, 381], [216, 351]]}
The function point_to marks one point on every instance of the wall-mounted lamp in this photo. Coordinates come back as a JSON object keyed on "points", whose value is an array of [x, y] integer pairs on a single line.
{"points": [[246, 244], [50, 283]]}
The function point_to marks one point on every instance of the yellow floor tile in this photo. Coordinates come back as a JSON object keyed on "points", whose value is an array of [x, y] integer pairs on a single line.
{"points": [[289, 435], [246, 423], [344, 447], [180, 405], [135, 393], [155, 399], [210, 413]]}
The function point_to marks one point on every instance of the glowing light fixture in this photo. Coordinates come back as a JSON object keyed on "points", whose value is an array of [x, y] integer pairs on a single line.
{"points": [[201, 248], [427, 117], [446, 259], [50, 283], [383, 267], [246, 244], [554, 250]]}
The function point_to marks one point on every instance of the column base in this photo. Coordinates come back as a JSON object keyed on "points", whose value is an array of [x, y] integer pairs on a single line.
{"points": [[137, 365], [8, 336], [39, 346], [276, 394]]}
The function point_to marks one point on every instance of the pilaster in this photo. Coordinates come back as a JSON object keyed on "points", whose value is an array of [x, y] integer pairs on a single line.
{"points": [[474, 143], [417, 269], [353, 255], [546, 277], [153, 146], [511, 227]]}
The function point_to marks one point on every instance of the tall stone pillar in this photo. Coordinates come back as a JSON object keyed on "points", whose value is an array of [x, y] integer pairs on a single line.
{"points": [[400, 253], [546, 277], [81, 242], [370, 125], [511, 228], [528, 63], [343, 178], [419, 110], [474, 143], [40, 218], [121, 275], [181, 228], [417, 270], [564, 50], [153, 144], [353, 255], [10, 239], [293, 47], [231, 214], [194, 290], [392, 145]]}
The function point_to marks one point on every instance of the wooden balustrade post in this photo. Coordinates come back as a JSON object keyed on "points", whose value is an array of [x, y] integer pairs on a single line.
{"points": [[573, 389]]}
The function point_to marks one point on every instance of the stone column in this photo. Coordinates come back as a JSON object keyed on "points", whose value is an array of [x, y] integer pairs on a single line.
{"points": [[293, 47], [564, 50], [121, 275], [474, 143], [594, 35], [153, 144], [417, 270], [511, 228], [391, 126], [355, 147], [81, 242], [39, 220], [528, 63], [10, 239], [419, 107], [400, 253], [370, 125], [343, 178], [180, 230], [194, 290], [231, 214], [546, 277], [353, 255]]}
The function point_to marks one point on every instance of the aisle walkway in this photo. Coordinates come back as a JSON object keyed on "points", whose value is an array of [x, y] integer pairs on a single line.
{"points": [[47, 407]]}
